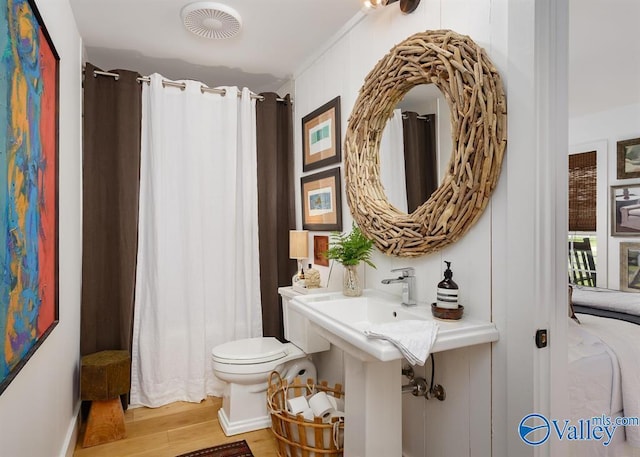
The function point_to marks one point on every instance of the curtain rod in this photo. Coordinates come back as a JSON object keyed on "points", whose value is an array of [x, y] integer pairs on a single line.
{"points": [[421, 117], [182, 86]]}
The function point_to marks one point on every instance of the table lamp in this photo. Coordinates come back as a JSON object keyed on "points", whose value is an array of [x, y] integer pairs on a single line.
{"points": [[298, 249]]}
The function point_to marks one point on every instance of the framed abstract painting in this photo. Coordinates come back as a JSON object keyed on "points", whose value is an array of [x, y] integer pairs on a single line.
{"points": [[29, 94]]}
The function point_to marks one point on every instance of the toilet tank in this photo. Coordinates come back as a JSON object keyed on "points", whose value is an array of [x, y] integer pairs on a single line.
{"points": [[297, 328]]}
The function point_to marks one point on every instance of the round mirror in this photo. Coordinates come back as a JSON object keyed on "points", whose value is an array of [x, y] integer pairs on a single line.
{"points": [[415, 147], [472, 88]]}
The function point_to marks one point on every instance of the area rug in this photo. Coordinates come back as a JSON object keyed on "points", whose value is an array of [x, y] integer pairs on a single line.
{"points": [[235, 449]]}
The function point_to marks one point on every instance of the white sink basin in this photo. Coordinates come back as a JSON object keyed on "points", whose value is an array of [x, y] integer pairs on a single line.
{"points": [[342, 321], [371, 366]]}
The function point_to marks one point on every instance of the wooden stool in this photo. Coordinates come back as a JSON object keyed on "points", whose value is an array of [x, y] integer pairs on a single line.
{"points": [[104, 376]]}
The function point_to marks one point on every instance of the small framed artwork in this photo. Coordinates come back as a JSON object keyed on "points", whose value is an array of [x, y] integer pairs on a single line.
{"points": [[321, 201], [625, 210], [630, 267], [321, 136], [629, 159], [320, 246]]}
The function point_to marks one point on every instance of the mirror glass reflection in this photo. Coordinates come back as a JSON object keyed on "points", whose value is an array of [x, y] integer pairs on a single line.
{"points": [[415, 147]]}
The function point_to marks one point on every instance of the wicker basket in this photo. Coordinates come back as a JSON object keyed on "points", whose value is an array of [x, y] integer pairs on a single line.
{"points": [[296, 436]]}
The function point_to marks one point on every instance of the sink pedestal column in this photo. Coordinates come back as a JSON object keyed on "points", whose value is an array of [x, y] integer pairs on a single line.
{"points": [[373, 409]]}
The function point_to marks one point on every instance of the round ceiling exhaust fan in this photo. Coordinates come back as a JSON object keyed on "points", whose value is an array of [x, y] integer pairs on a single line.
{"points": [[211, 20]]}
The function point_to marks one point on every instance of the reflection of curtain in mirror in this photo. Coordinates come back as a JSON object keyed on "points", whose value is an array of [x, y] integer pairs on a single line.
{"points": [[392, 162], [421, 167]]}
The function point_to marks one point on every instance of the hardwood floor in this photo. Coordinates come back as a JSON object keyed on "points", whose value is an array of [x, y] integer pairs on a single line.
{"points": [[175, 429]]}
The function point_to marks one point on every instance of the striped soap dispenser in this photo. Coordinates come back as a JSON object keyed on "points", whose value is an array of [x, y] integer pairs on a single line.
{"points": [[448, 290]]}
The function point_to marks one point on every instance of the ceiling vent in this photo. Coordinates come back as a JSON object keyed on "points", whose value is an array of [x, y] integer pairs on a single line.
{"points": [[211, 20]]}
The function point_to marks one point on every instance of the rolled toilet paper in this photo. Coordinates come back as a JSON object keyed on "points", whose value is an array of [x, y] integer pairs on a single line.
{"points": [[321, 406], [297, 405], [308, 414]]}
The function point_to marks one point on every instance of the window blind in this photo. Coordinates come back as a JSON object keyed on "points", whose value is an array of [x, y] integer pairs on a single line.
{"points": [[582, 192]]}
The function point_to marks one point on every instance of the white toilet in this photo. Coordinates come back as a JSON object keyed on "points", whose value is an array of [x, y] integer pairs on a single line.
{"points": [[245, 366]]}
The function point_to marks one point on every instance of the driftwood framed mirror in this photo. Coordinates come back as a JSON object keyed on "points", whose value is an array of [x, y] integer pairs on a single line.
{"points": [[472, 87]]}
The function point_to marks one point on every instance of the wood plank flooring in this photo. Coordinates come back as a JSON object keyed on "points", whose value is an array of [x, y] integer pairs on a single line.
{"points": [[175, 429]]}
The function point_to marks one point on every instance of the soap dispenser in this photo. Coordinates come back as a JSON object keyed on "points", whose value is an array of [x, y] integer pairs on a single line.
{"points": [[448, 290], [298, 279]]}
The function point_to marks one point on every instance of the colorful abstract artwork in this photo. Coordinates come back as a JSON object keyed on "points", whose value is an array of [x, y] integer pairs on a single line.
{"points": [[28, 185]]}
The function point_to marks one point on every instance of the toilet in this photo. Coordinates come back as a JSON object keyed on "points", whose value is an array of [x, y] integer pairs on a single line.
{"points": [[245, 365]]}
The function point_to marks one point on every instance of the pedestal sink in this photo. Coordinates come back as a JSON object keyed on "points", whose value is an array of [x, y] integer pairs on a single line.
{"points": [[373, 410]]}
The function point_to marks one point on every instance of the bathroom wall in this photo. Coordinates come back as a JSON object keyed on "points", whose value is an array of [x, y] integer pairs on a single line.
{"points": [[341, 71], [38, 409], [489, 387], [610, 126]]}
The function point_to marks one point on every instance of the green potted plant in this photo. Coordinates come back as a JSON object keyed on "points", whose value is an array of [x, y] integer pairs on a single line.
{"points": [[351, 249]]}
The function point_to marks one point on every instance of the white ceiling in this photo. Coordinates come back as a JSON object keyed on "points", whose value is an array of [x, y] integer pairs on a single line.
{"points": [[604, 55], [278, 35], [148, 36]]}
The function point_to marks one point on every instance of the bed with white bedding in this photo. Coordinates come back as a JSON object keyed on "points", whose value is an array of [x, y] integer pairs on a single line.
{"points": [[604, 366]]}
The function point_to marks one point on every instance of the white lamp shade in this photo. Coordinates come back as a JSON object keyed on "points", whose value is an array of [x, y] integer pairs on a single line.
{"points": [[298, 244]]}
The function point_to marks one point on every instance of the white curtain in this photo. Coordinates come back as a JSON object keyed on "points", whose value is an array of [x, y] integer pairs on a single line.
{"points": [[392, 173], [198, 282]]}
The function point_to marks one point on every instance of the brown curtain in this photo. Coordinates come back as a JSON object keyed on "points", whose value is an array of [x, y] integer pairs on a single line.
{"points": [[111, 176], [276, 210], [420, 160]]}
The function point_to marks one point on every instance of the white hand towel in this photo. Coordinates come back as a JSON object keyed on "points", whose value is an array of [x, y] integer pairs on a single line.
{"points": [[414, 338]]}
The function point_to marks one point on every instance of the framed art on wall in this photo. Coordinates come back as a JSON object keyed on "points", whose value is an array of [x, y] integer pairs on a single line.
{"points": [[321, 136], [29, 78], [320, 246], [322, 201], [625, 210], [630, 267], [628, 159]]}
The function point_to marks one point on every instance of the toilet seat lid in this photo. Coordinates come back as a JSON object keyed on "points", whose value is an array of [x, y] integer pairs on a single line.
{"points": [[249, 351]]}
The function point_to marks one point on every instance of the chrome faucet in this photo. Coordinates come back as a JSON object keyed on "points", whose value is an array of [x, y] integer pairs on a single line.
{"points": [[408, 281]]}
